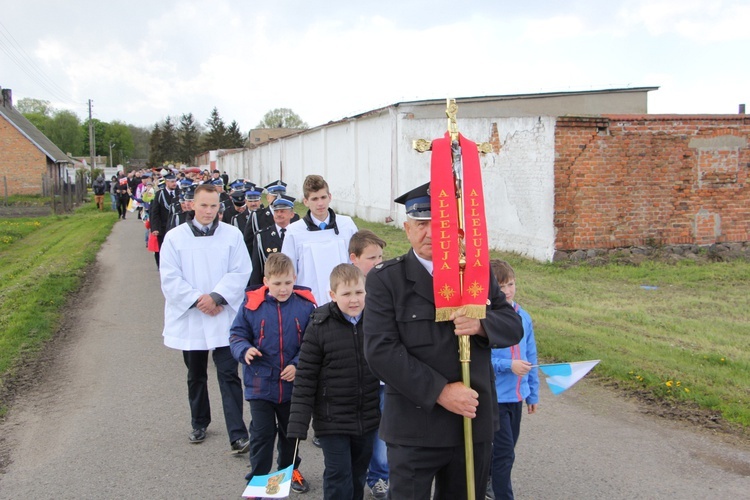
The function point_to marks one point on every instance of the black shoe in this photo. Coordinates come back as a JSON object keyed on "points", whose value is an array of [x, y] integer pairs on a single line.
{"points": [[241, 446], [197, 436], [316, 442], [299, 484]]}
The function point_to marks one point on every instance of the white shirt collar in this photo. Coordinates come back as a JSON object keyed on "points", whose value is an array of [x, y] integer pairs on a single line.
{"points": [[199, 226], [317, 221]]}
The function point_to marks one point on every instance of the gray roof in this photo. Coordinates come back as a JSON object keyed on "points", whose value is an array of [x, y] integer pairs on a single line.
{"points": [[33, 134]]}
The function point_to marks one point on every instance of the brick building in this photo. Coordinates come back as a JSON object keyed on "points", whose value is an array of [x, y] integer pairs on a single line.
{"points": [[651, 179], [26, 155]]}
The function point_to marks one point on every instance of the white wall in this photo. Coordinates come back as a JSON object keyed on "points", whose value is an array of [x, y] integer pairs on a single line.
{"points": [[369, 161]]}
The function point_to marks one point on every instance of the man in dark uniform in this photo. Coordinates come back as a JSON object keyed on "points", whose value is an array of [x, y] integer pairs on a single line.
{"points": [[231, 209], [239, 220], [252, 200], [417, 358], [186, 207], [270, 239], [162, 208]]}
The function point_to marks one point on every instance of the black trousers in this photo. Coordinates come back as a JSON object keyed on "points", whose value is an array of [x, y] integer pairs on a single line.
{"points": [[122, 205], [160, 239], [229, 385], [267, 420], [413, 468], [346, 459]]}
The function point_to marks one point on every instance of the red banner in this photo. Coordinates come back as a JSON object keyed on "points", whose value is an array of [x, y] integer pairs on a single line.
{"points": [[456, 239]]}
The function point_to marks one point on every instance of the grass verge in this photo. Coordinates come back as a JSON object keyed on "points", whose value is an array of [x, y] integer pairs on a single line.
{"points": [[684, 343], [42, 260]]}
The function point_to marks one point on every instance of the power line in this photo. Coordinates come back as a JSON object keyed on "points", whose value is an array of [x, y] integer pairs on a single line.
{"points": [[18, 55]]}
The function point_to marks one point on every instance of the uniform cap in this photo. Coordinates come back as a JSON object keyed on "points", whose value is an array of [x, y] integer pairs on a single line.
{"points": [[238, 197], [277, 186], [283, 201], [417, 202]]}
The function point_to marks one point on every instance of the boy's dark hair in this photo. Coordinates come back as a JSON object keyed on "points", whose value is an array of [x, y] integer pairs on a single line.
{"points": [[502, 270], [314, 183], [278, 264], [345, 273], [362, 239], [208, 188]]}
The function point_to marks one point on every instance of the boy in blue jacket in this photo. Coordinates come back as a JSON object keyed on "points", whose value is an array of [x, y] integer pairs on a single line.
{"points": [[516, 380], [265, 338]]}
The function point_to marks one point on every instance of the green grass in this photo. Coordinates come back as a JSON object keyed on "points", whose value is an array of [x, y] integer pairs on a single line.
{"points": [[686, 341], [42, 260]]}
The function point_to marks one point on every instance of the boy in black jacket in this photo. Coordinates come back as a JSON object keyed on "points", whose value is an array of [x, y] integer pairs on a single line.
{"points": [[334, 385]]}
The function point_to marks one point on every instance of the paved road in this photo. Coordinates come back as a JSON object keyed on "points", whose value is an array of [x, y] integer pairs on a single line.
{"points": [[109, 418]]}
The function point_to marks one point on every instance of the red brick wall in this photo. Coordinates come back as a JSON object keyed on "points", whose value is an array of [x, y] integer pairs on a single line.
{"points": [[21, 162], [651, 179]]}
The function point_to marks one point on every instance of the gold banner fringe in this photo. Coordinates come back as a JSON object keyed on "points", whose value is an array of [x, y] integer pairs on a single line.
{"points": [[476, 311], [471, 311], [444, 313]]}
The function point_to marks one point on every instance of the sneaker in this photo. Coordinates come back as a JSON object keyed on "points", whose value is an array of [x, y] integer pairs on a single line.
{"points": [[489, 494], [316, 442], [198, 435], [241, 446], [379, 490], [299, 484]]}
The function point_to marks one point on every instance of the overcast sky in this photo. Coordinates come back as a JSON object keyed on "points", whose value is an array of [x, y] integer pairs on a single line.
{"points": [[141, 61]]}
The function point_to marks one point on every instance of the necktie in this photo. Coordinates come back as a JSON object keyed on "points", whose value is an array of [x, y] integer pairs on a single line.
{"points": [[323, 225], [283, 233], [204, 231]]}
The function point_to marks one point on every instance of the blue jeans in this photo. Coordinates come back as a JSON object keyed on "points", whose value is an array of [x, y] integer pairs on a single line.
{"points": [[378, 468], [114, 201], [346, 458], [503, 454]]}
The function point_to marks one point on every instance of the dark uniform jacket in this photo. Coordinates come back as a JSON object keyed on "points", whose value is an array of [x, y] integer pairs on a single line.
{"points": [[261, 219], [333, 382], [267, 241], [416, 357], [240, 220], [161, 210]]}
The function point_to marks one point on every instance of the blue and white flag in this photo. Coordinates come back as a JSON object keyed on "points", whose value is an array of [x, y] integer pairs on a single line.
{"points": [[562, 376], [274, 485]]}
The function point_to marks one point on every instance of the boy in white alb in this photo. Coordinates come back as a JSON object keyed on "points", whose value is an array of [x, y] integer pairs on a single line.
{"points": [[319, 241]]}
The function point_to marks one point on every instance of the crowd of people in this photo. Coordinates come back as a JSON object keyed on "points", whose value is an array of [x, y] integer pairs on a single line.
{"points": [[326, 333]]}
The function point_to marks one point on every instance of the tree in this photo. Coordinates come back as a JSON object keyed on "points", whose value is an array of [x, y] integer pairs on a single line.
{"points": [[234, 137], [141, 138], [169, 141], [100, 130], [64, 130], [282, 118], [188, 138], [118, 134], [215, 138], [155, 154], [27, 105]]}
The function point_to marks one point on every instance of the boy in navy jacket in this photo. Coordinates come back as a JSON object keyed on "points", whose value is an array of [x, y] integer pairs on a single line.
{"points": [[265, 337]]}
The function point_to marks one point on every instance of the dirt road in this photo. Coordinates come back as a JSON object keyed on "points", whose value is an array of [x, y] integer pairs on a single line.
{"points": [[108, 418]]}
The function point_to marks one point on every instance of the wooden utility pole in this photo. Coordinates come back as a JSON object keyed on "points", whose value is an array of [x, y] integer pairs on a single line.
{"points": [[92, 144]]}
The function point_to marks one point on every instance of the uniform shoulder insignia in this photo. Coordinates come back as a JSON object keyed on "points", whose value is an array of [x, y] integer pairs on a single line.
{"points": [[389, 263]]}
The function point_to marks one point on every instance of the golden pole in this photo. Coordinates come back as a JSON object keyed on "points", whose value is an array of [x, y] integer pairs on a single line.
{"points": [[464, 346]]}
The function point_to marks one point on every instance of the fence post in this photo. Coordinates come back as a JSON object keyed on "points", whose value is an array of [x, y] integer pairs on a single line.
{"points": [[5, 183]]}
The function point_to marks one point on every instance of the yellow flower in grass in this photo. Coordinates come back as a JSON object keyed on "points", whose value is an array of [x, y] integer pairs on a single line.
{"points": [[678, 383], [668, 383], [687, 390]]}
